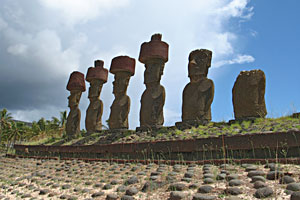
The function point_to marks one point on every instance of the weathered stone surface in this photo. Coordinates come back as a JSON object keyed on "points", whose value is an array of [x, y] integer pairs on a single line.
{"points": [[122, 67], [76, 86], [199, 93], [154, 55], [96, 76], [248, 95], [263, 192]]}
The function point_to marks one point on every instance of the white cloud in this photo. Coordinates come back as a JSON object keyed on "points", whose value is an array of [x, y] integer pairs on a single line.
{"points": [[102, 29], [17, 49], [80, 11], [239, 59], [3, 24]]}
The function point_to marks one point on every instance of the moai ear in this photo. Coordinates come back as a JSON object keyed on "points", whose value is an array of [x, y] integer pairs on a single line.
{"points": [[209, 54]]}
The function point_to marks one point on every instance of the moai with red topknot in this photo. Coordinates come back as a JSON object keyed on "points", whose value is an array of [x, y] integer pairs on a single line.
{"points": [[197, 95], [123, 68], [154, 55], [96, 76], [76, 85]]}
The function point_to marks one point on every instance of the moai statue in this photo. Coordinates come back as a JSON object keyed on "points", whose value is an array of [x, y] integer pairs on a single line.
{"points": [[123, 68], [96, 76], [197, 95], [154, 55], [76, 86], [248, 95]]}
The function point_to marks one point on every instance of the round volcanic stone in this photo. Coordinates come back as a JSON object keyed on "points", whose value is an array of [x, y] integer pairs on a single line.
{"points": [[176, 195], [256, 173], [208, 175], [127, 197], [259, 184], [286, 180], [232, 176], [263, 192], [221, 177], [235, 182], [251, 168], [131, 191], [107, 186], [97, 194], [177, 187], [293, 187], [233, 191], [208, 180], [258, 178], [131, 180], [188, 175], [44, 191], [272, 175], [295, 196], [205, 189], [199, 196], [121, 188], [188, 180], [150, 186], [111, 197]]}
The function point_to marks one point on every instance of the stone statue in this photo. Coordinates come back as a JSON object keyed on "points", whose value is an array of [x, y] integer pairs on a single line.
{"points": [[122, 67], [154, 55], [96, 76], [248, 95], [198, 95], [76, 86]]}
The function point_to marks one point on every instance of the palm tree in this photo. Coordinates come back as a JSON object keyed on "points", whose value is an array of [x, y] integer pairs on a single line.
{"points": [[5, 119], [63, 118], [15, 133]]}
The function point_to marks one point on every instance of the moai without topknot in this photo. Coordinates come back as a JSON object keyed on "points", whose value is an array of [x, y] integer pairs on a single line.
{"points": [[197, 95], [96, 76], [248, 95], [154, 55], [123, 68], [76, 85]]}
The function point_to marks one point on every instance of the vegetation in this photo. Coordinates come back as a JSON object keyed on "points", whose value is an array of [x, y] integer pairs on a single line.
{"points": [[12, 132], [53, 131]]}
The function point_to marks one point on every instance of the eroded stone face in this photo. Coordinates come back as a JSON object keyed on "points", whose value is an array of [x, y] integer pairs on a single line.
{"points": [[97, 76], [94, 111], [76, 85], [154, 55], [248, 95], [123, 67], [118, 118], [199, 93]]}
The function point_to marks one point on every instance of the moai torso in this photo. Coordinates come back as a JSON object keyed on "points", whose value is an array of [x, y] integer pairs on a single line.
{"points": [[123, 67], [154, 55], [97, 76], [199, 93], [248, 95], [152, 103], [197, 98], [76, 86]]}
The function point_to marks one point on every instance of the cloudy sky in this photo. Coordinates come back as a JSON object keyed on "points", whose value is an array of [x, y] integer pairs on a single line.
{"points": [[43, 41]]}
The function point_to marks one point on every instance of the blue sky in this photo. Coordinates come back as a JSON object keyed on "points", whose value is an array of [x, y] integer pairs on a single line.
{"points": [[43, 41], [275, 47]]}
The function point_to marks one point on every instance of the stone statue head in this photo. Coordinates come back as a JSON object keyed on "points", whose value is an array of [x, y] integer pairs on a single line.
{"points": [[154, 71], [74, 98], [121, 83], [199, 62], [95, 88]]}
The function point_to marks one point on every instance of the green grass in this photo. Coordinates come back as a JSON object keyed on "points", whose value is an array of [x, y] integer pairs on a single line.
{"points": [[215, 129]]}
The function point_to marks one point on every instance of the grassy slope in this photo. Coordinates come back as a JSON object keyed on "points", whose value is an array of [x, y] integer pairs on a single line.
{"points": [[281, 124]]}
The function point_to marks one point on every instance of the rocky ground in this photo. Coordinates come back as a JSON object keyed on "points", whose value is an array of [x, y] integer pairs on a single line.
{"points": [[59, 179]]}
